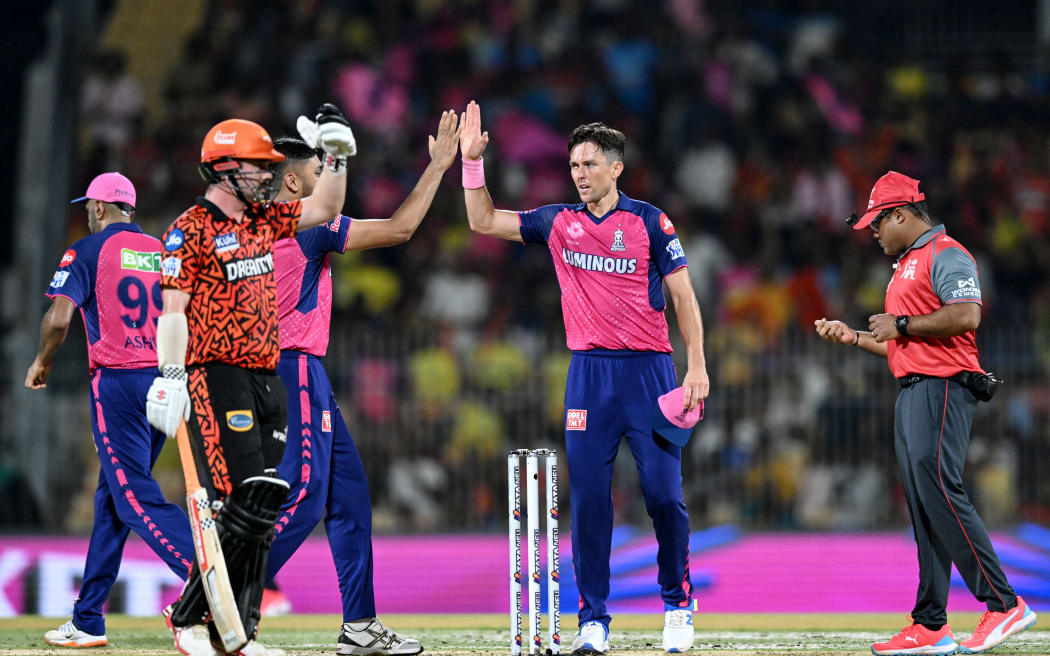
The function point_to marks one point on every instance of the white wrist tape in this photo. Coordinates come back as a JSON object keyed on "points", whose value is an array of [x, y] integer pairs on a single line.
{"points": [[173, 335]]}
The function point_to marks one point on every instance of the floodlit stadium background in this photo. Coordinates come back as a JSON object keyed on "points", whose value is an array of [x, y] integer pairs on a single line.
{"points": [[756, 126]]}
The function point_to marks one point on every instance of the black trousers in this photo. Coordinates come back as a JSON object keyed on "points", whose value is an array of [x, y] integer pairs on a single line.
{"points": [[238, 424], [931, 434]]}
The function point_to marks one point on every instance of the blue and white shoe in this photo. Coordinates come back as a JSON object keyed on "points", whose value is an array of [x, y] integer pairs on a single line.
{"points": [[593, 638], [678, 629]]}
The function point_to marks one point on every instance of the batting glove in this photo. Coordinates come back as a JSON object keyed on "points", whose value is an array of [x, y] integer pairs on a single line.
{"points": [[168, 400], [330, 131]]}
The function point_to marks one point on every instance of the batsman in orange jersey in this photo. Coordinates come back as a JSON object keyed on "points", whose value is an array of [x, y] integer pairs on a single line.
{"points": [[218, 349]]}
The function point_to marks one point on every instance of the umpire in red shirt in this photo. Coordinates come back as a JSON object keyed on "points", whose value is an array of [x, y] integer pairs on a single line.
{"points": [[933, 308]]}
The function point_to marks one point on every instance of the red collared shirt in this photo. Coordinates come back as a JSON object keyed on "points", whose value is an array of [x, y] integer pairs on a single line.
{"points": [[934, 271]]}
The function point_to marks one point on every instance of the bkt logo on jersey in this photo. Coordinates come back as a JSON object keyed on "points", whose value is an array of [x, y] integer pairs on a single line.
{"points": [[249, 267], [175, 240], [226, 242], [674, 249], [589, 262], [136, 261]]}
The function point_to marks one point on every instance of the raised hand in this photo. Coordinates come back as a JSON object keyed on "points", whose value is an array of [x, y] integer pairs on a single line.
{"points": [[443, 147], [472, 140], [835, 332]]}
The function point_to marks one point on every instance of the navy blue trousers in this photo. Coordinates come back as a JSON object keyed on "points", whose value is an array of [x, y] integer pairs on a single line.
{"points": [[328, 481], [618, 391], [127, 498]]}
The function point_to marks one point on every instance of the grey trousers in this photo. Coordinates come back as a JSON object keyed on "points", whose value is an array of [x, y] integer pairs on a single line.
{"points": [[931, 433]]}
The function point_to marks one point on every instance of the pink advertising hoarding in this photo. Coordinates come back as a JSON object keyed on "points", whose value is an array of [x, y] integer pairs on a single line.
{"points": [[764, 572]]}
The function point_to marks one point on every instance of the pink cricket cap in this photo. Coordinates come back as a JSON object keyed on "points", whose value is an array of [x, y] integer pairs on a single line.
{"points": [[109, 188], [673, 423]]}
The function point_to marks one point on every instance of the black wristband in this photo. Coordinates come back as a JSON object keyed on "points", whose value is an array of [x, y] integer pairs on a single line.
{"points": [[856, 342]]}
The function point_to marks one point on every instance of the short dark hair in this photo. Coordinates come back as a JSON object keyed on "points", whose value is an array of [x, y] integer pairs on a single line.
{"points": [[294, 151], [609, 140]]}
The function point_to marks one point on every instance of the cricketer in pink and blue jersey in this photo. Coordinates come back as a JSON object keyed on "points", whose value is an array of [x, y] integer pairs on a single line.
{"points": [[610, 270], [113, 276], [304, 285], [320, 463], [121, 266]]}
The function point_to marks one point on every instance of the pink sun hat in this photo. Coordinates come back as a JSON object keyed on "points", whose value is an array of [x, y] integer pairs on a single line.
{"points": [[673, 423], [109, 188]]}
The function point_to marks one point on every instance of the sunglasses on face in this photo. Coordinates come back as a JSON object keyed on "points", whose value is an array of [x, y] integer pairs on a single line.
{"points": [[874, 225]]}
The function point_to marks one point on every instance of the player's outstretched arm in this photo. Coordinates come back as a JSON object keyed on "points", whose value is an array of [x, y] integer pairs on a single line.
{"points": [[483, 217], [331, 132], [53, 329], [696, 383], [837, 332], [400, 227]]}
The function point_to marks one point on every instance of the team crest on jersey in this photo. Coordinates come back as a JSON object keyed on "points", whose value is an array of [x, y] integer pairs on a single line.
{"points": [[326, 421], [171, 267], [67, 258], [240, 420], [617, 244], [666, 225], [59, 279], [575, 230], [576, 420], [226, 242]]}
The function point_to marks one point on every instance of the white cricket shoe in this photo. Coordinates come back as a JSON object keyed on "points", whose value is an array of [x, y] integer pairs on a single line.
{"points": [[254, 648], [68, 635], [678, 630], [190, 640], [593, 638], [369, 637], [193, 640]]}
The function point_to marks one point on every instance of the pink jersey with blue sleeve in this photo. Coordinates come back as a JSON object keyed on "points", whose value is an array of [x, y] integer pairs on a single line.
{"points": [[610, 270], [113, 276], [304, 285]]}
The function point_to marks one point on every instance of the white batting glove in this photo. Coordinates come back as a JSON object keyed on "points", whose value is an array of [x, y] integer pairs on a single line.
{"points": [[168, 400], [330, 131]]}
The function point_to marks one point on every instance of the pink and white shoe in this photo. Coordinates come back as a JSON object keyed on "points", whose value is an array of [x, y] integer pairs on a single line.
{"points": [[995, 627], [917, 639]]}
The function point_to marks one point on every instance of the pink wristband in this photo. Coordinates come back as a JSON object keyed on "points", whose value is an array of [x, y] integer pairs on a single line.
{"points": [[473, 173]]}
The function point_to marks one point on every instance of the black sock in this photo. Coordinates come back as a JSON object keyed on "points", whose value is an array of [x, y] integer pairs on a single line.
{"points": [[933, 627]]}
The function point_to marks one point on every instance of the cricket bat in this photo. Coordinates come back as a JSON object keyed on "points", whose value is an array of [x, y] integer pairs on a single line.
{"points": [[210, 559]]}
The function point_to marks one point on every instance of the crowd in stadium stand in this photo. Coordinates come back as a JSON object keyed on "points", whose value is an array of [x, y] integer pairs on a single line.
{"points": [[756, 133]]}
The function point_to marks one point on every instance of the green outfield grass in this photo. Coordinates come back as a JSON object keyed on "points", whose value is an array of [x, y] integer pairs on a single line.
{"points": [[453, 635]]}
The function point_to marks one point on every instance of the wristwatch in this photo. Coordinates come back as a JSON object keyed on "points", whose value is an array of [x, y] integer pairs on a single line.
{"points": [[901, 324]]}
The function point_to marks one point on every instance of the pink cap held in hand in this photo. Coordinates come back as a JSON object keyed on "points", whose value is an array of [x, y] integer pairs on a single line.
{"points": [[671, 421], [109, 188]]}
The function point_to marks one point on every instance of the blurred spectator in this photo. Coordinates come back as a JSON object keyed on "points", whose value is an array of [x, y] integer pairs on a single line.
{"points": [[757, 129]]}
